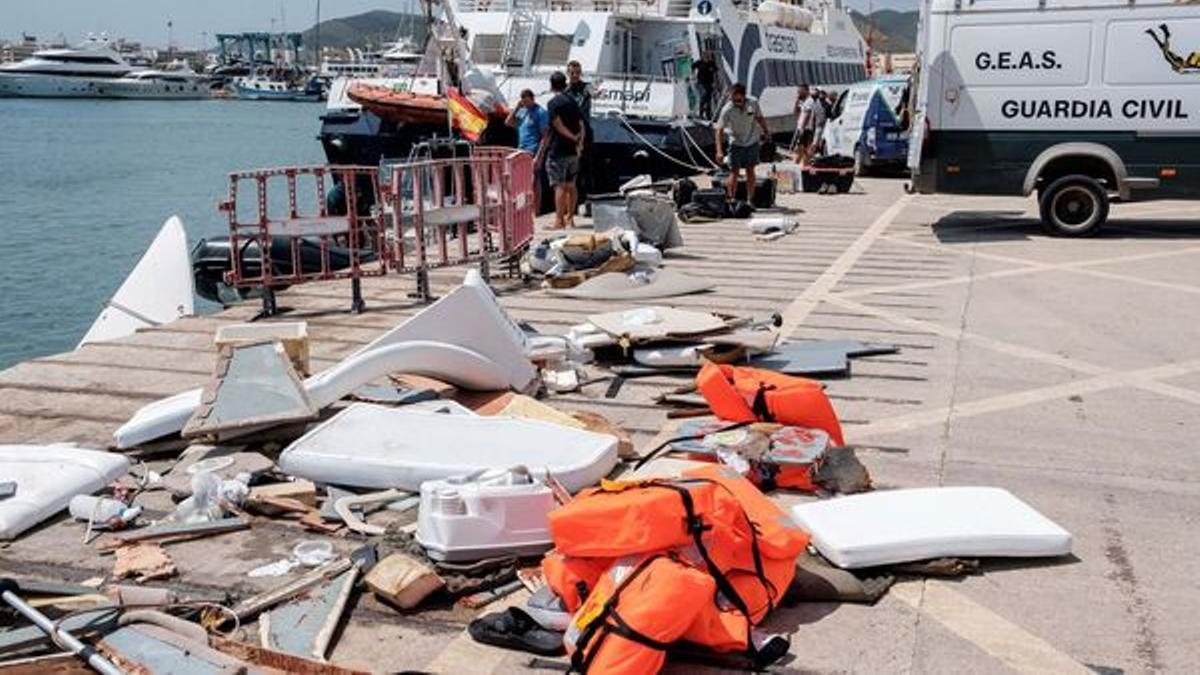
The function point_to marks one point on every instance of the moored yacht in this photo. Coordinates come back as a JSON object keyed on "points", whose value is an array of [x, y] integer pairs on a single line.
{"points": [[76, 72], [95, 70]]}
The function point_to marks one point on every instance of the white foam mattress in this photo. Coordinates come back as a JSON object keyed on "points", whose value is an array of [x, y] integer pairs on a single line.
{"points": [[47, 476], [895, 526], [376, 446]]}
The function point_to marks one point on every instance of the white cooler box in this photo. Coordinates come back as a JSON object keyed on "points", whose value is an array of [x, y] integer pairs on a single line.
{"points": [[488, 515]]}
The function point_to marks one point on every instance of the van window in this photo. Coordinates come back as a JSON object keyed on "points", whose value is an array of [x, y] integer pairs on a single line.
{"points": [[838, 104]]}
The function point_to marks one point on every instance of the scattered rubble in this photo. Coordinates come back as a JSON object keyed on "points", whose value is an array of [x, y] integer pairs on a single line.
{"points": [[458, 477]]}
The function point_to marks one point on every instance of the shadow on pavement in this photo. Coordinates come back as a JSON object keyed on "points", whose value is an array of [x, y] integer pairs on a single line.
{"points": [[963, 227]]}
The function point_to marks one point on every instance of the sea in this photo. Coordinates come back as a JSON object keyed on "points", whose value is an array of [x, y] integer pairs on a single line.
{"points": [[86, 184]]}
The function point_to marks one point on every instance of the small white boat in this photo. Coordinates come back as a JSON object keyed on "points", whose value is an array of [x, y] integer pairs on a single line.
{"points": [[159, 290], [259, 88]]}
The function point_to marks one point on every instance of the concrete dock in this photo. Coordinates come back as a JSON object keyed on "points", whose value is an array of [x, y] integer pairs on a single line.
{"points": [[1066, 371]]}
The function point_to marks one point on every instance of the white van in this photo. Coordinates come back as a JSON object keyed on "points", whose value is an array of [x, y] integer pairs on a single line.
{"points": [[1078, 100], [866, 124]]}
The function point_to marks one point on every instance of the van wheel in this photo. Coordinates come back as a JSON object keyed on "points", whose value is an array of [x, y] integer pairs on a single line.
{"points": [[862, 165], [1073, 206]]}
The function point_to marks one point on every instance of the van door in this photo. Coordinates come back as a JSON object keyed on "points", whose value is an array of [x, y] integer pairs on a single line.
{"points": [[918, 95]]}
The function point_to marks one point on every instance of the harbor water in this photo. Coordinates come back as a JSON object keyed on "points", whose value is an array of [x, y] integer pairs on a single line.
{"points": [[86, 184]]}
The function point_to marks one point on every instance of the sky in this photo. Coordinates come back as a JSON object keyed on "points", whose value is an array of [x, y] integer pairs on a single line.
{"points": [[146, 20]]}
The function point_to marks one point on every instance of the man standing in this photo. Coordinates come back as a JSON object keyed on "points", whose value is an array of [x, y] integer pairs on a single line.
{"points": [[742, 120], [532, 123], [803, 110], [582, 92], [820, 113], [562, 153], [706, 82]]}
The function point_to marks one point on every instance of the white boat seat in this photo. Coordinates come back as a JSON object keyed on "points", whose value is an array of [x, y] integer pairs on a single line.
{"points": [[450, 215], [309, 226]]}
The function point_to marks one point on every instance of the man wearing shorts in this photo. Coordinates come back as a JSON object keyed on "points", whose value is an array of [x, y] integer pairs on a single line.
{"points": [[562, 155], [742, 120], [805, 118]]}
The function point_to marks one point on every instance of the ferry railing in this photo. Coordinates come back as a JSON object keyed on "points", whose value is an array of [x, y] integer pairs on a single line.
{"points": [[309, 223], [670, 8]]}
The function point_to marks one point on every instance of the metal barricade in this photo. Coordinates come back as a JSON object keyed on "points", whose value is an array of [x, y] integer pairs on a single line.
{"points": [[333, 231], [432, 213], [448, 212]]}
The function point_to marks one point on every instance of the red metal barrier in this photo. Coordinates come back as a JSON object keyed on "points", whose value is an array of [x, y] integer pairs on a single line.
{"points": [[434, 213], [448, 212], [332, 231]]}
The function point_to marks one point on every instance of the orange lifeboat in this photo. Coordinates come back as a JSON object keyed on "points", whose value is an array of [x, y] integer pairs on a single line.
{"points": [[402, 107]]}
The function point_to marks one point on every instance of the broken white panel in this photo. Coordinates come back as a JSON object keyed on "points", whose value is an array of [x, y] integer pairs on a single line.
{"points": [[253, 385], [656, 322], [380, 447], [895, 526], [47, 477], [465, 339], [497, 513], [160, 289]]}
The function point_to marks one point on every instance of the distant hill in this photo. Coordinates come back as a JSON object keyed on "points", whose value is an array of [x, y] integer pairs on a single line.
{"points": [[895, 32], [370, 29]]}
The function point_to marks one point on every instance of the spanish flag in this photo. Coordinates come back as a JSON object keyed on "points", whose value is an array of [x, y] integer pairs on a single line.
{"points": [[466, 115]]}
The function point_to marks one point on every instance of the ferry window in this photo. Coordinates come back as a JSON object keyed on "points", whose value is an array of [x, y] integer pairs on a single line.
{"points": [[552, 50], [487, 48], [810, 72]]}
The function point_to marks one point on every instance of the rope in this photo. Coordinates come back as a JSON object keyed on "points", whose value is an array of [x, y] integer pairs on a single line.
{"points": [[647, 143], [688, 137]]}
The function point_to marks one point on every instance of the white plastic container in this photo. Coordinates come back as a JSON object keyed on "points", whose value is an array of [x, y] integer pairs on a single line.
{"points": [[494, 514]]}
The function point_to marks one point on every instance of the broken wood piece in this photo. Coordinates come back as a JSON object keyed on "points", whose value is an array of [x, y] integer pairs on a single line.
{"points": [[313, 521], [145, 562], [403, 580], [484, 598], [274, 661], [411, 381], [302, 491], [252, 606], [601, 425], [147, 648], [54, 664], [172, 532], [344, 508], [277, 506], [128, 594], [305, 627]]}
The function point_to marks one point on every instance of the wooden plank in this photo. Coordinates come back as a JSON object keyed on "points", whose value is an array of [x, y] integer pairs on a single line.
{"points": [[305, 627]]}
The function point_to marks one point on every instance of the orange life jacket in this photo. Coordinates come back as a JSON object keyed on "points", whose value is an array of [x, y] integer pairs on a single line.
{"points": [[573, 578], [638, 608], [742, 394], [628, 517], [712, 519]]}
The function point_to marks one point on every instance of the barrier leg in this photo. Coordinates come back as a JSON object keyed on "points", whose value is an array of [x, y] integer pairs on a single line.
{"points": [[268, 302], [357, 304]]}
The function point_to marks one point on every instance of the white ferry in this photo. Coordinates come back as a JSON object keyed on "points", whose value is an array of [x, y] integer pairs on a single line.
{"points": [[639, 57]]}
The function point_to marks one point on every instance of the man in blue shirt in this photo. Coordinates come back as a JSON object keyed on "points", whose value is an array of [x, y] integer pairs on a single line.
{"points": [[532, 122]]}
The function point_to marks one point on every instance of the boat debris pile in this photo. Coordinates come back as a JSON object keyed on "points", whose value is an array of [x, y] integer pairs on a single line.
{"points": [[440, 468]]}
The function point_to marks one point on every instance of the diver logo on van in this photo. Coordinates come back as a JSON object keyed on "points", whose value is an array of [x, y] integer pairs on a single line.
{"points": [[1188, 66]]}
